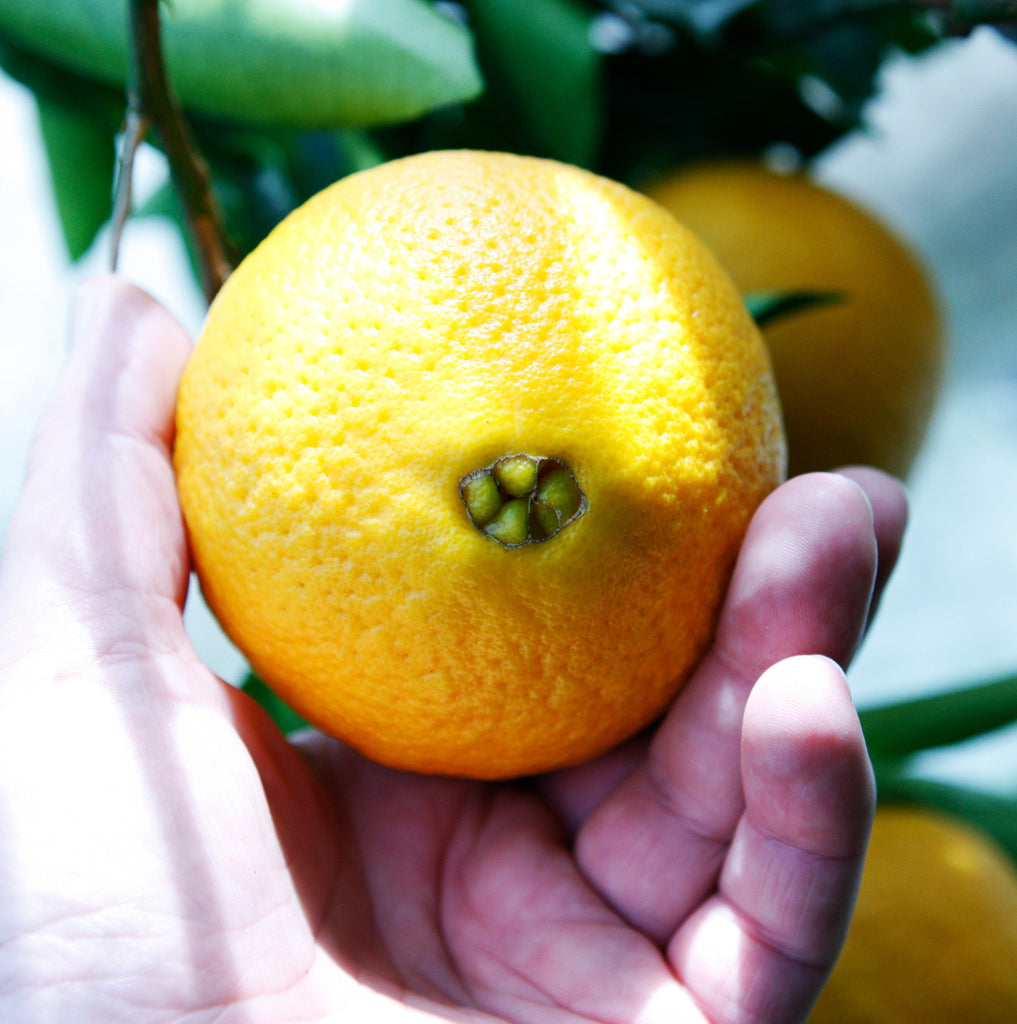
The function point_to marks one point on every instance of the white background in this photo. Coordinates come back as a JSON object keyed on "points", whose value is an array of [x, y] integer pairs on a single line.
{"points": [[938, 163]]}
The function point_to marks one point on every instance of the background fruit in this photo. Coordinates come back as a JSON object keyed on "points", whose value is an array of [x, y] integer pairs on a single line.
{"points": [[409, 326], [934, 937], [857, 379]]}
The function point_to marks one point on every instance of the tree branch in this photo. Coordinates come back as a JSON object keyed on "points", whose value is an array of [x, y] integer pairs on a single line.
{"points": [[151, 105]]}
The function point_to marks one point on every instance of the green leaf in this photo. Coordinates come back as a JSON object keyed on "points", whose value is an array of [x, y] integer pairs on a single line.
{"points": [[78, 119], [908, 727], [994, 814], [50, 82], [282, 714], [81, 151], [543, 77], [767, 307], [293, 62], [262, 174]]}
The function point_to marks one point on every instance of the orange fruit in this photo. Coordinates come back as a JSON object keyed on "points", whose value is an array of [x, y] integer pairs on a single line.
{"points": [[361, 372], [934, 937], [857, 378]]}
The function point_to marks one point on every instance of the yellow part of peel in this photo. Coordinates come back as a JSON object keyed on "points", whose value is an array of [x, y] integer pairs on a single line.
{"points": [[413, 323]]}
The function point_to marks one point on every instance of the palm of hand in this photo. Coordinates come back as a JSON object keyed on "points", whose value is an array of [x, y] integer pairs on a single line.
{"points": [[192, 864]]}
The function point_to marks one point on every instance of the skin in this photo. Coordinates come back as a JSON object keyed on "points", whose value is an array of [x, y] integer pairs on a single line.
{"points": [[167, 856]]}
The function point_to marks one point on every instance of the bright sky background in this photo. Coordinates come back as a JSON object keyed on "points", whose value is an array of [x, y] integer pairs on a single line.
{"points": [[939, 165]]}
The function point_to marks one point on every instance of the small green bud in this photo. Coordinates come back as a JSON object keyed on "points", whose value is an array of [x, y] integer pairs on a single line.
{"points": [[482, 497], [517, 474], [560, 490], [546, 518], [510, 526]]}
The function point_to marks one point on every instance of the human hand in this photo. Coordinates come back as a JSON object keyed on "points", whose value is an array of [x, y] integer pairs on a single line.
{"points": [[166, 855]]}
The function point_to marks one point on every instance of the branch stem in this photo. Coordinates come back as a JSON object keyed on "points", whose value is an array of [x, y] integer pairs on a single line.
{"points": [[150, 105]]}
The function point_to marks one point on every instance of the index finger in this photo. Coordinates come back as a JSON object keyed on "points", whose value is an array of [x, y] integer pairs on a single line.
{"points": [[97, 525]]}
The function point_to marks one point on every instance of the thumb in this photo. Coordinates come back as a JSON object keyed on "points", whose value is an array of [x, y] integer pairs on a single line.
{"points": [[95, 549]]}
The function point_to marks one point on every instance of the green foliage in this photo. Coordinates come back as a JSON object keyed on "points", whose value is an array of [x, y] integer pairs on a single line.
{"points": [[364, 62], [942, 719], [897, 733], [260, 175], [729, 77], [768, 307], [284, 717], [78, 119], [543, 78], [81, 157], [995, 815], [287, 95]]}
